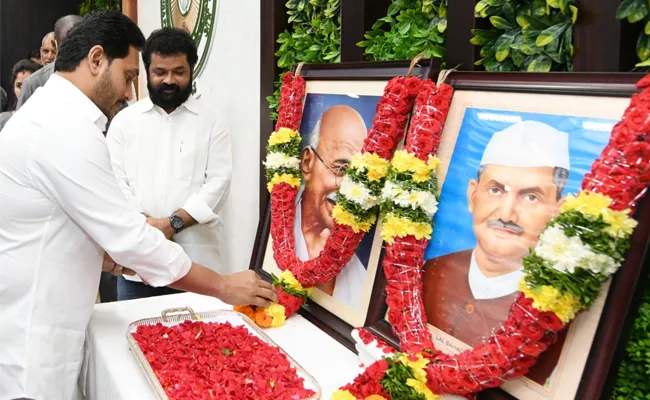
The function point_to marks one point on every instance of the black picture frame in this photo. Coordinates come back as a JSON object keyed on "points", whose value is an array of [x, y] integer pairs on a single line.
{"points": [[626, 290], [353, 71]]}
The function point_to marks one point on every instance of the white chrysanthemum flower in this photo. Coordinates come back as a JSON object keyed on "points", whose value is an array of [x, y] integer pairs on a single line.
{"points": [[427, 201], [389, 191], [565, 253], [600, 263], [281, 160], [357, 193]]}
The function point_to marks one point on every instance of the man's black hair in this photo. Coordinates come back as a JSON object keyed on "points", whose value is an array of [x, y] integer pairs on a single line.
{"points": [[36, 53], [23, 66], [170, 42], [63, 25], [112, 30]]}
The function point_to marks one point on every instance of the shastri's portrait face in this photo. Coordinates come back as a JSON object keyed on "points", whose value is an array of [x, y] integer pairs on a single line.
{"points": [[517, 191], [510, 207], [338, 135]]}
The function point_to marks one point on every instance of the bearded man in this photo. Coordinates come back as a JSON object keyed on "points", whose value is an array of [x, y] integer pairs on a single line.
{"points": [[171, 157]]}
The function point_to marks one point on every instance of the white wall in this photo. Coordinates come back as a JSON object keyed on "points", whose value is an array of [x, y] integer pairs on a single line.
{"points": [[230, 82]]}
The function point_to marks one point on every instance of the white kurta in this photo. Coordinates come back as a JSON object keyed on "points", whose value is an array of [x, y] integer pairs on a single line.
{"points": [[165, 162], [486, 288], [349, 284], [60, 206]]}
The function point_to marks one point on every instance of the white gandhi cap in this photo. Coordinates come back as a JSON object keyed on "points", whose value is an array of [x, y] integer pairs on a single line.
{"points": [[528, 144]]}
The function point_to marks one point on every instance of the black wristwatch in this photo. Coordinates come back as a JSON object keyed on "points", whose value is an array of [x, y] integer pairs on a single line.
{"points": [[177, 223]]}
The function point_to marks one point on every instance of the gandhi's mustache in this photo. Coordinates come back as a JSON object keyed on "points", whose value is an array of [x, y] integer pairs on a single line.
{"points": [[511, 226]]}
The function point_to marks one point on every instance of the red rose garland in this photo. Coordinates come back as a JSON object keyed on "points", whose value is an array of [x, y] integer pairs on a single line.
{"points": [[388, 130], [611, 191]]}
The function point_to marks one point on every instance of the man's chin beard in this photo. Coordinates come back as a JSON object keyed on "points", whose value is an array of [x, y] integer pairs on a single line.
{"points": [[176, 100]]}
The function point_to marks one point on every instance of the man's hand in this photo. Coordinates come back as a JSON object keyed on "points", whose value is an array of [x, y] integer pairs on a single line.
{"points": [[110, 266], [246, 288], [163, 225]]}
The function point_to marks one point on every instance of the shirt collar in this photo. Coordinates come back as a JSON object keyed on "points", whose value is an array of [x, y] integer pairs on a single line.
{"points": [[485, 288], [191, 104], [81, 102]]}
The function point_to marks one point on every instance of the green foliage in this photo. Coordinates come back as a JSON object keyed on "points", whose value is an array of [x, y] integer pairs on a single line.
{"points": [[87, 6], [638, 11], [394, 381], [633, 382], [314, 36], [526, 35], [409, 28]]}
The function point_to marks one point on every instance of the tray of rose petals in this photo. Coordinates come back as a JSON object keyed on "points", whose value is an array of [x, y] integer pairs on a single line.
{"points": [[215, 355]]}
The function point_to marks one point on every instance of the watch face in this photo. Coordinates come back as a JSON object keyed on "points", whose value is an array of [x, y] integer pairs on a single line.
{"points": [[176, 222]]}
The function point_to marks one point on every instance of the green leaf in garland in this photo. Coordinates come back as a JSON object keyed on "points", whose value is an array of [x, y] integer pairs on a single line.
{"points": [[551, 34], [553, 3], [540, 63], [480, 7], [539, 8], [503, 46], [518, 58], [642, 48], [574, 14], [646, 30], [496, 3], [500, 22]]}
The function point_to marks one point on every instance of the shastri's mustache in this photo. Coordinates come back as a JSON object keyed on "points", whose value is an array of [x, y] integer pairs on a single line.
{"points": [[511, 226], [332, 197]]}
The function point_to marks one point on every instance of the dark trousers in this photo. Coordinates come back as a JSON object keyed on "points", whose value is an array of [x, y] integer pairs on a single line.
{"points": [[129, 290], [108, 288]]}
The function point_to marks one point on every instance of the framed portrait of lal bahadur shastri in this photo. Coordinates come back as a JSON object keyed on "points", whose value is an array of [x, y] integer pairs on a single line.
{"points": [[508, 161], [339, 108]]}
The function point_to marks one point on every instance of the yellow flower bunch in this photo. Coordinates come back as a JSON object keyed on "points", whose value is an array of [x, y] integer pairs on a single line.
{"points": [[283, 135], [276, 312], [284, 178], [403, 161], [548, 298], [344, 217], [375, 166], [288, 278], [595, 205], [394, 226], [420, 381], [346, 395]]}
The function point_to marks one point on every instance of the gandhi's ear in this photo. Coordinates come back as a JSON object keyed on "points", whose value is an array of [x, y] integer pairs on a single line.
{"points": [[307, 158], [471, 190]]}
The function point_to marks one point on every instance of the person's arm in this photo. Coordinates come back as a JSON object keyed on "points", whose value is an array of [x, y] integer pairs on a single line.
{"points": [[73, 169], [117, 149]]}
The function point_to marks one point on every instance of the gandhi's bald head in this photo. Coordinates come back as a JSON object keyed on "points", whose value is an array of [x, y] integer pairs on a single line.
{"points": [[48, 48], [337, 136]]}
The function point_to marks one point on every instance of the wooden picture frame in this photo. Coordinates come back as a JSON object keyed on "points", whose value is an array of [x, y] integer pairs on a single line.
{"points": [[626, 288], [362, 72]]}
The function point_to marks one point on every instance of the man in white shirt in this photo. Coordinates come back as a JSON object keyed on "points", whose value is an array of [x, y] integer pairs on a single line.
{"points": [[338, 135], [171, 156], [61, 207]]}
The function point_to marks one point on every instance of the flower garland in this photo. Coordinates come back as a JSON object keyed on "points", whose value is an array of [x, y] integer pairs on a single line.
{"points": [[577, 253], [357, 198]]}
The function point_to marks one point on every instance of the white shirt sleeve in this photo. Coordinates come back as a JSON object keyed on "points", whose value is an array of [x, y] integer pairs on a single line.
{"points": [[117, 150], [74, 170], [204, 205]]}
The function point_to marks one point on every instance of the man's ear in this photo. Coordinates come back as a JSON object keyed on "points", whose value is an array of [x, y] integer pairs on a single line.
{"points": [[96, 57], [471, 190], [307, 158]]}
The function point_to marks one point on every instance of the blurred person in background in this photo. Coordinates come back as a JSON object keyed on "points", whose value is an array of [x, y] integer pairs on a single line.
{"points": [[61, 29], [35, 56], [19, 73], [48, 49]]}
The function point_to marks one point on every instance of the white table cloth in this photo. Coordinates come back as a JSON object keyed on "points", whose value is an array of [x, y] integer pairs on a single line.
{"points": [[113, 373]]}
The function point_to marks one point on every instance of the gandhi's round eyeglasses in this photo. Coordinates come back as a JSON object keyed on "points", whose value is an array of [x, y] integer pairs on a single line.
{"points": [[338, 169]]}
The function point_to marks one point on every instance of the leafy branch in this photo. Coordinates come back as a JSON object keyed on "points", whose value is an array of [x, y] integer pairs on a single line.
{"points": [[637, 11], [314, 36], [87, 6], [526, 35], [409, 28]]}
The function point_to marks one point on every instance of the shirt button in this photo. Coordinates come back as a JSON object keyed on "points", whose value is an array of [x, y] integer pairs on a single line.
{"points": [[469, 308]]}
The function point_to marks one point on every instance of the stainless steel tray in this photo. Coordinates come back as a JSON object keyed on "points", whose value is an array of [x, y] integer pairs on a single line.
{"points": [[171, 317]]}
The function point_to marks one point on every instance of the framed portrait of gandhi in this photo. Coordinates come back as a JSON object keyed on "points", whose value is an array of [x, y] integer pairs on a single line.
{"points": [[513, 147], [338, 111]]}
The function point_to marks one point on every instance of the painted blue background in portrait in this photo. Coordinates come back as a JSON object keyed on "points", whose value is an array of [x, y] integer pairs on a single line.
{"points": [[453, 223], [315, 105]]}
